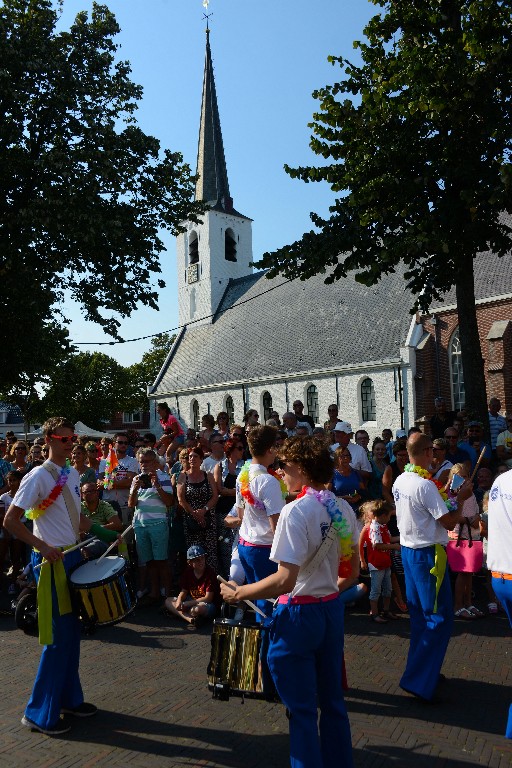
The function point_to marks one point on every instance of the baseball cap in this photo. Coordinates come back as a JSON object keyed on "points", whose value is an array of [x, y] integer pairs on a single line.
{"points": [[343, 426], [195, 551], [475, 424], [400, 433]]}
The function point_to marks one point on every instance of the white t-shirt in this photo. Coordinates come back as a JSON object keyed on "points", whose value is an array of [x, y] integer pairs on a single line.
{"points": [[301, 528], [209, 464], [126, 464], [418, 507], [255, 526], [360, 458], [54, 527], [499, 525]]}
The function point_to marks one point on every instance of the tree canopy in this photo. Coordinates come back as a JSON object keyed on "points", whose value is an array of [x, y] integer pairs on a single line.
{"points": [[89, 387], [84, 192], [416, 142], [144, 373]]}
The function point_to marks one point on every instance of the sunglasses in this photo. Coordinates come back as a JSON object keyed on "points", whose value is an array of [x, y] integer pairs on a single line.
{"points": [[64, 440], [122, 442], [282, 464]]}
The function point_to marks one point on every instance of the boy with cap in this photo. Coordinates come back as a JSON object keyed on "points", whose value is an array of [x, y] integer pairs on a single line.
{"points": [[199, 590]]}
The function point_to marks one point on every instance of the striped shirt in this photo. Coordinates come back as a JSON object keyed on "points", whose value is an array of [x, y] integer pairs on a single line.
{"points": [[150, 508], [497, 424]]}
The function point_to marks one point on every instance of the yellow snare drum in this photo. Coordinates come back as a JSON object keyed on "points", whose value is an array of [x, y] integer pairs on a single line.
{"points": [[102, 591]]}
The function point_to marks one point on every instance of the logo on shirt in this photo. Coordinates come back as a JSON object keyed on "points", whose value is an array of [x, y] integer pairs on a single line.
{"points": [[396, 494], [324, 527], [77, 491], [494, 493]]}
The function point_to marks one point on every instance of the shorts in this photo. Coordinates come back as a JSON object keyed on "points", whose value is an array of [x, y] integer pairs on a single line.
{"points": [[180, 439], [152, 541]]}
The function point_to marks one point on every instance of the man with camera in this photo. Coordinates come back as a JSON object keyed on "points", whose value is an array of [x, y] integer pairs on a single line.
{"points": [[150, 496]]}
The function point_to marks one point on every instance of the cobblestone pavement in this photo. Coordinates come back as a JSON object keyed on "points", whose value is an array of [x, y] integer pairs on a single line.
{"points": [[148, 676]]}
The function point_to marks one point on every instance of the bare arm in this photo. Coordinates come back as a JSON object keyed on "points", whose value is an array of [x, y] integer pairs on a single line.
{"points": [[13, 524], [278, 583]]}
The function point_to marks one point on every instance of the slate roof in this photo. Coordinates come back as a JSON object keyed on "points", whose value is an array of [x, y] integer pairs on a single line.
{"points": [[493, 277], [274, 327]]}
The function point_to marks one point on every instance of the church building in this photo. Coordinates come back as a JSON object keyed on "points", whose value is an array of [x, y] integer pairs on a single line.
{"points": [[246, 342]]}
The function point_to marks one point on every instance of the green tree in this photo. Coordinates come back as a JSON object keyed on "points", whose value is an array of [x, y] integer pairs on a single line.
{"points": [[88, 387], [84, 192], [417, 142], [144, 373]]}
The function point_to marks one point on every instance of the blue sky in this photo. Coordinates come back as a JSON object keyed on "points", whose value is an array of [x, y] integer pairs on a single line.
{"points": [[268, 56]]}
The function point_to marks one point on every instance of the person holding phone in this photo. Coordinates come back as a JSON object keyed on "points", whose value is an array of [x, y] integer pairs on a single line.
{"points": [[150, 495]]}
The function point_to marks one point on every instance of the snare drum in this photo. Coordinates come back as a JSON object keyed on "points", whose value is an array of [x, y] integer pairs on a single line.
{"points": [[102, 591], [236, 665]]}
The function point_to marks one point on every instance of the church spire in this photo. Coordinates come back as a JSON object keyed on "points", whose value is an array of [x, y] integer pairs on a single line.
{"points": [[212, 185]]}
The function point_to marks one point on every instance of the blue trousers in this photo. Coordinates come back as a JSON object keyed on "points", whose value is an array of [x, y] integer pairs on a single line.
{"points": [[503, 591], [305, 660], [430, 632], [257, 566], [57, 683]]}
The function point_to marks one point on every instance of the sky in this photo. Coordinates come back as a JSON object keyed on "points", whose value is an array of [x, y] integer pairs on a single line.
{"points": [[269, 56]]}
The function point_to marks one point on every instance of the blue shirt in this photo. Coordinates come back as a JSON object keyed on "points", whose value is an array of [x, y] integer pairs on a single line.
{"points": [[497, 424]]}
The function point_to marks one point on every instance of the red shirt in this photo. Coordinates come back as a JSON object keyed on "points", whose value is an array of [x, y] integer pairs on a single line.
{"points": [[198, 587], [377, 557], [171, 423]]}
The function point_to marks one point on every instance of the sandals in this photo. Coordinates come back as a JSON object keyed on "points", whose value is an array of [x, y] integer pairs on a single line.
{"points": [[389, 615], [378, 619], [401, 605], [464, 613], [475, 611]]}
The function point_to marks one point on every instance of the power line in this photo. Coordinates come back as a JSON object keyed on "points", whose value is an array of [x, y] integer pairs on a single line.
{"points": [[178, 327]]}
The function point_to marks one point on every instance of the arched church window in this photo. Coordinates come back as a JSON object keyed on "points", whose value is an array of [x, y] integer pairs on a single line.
{"points": [[193, 248], [312, 403], [368, 404], [230, 409], [266, 401], [456, 372], [195, 415], [229, 245]]}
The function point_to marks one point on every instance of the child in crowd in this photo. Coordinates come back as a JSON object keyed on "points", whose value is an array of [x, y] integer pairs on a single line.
{"points": [[375, 535], [199, 596], [7, 541]]}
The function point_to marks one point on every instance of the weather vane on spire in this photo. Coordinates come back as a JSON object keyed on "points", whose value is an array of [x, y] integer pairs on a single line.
{"points": [[206, 15]]}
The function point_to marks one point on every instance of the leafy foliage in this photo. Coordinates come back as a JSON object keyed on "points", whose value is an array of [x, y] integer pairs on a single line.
{"points": [[144, 373], [416, 142], [88, 387], [84, 192]]}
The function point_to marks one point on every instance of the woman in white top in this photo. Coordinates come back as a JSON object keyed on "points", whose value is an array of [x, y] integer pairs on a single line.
{"points": [[306, 633], [440, 467], [469, 518]]}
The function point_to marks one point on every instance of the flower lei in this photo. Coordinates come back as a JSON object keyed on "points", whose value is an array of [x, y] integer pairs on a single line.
{"points": [[34, 514], [243, 480], [110, 471], [339, 523], [449, 501]]}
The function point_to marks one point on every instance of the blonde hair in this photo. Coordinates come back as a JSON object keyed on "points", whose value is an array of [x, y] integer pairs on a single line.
{"points": [[374, 508]]}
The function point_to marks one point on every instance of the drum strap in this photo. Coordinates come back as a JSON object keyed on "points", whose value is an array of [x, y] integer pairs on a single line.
{"points": [[68, 500]]}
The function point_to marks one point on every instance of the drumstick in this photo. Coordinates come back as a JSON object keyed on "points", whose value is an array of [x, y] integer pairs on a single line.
{"points": [[478, 463], [67, 551], [251, 605], [114, 544]]}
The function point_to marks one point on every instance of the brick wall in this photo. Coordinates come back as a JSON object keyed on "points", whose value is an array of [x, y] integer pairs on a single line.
{"points": [[497, 356]]}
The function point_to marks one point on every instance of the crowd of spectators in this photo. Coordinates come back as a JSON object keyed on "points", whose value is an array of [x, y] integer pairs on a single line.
{"points": [[178, 491]]}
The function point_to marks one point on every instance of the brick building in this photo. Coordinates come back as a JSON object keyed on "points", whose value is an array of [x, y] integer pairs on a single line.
{"points": [[438, 362]]}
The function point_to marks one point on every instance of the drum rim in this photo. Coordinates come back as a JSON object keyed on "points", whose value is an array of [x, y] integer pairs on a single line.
{"points": [[232, 623], [99, 582]]}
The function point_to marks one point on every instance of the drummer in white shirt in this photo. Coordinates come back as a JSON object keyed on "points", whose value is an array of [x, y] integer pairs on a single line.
{"points": [[57, 686], [306, 633]]}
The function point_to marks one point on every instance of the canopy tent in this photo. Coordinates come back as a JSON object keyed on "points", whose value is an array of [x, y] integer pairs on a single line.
{"points": [[83, 429]]}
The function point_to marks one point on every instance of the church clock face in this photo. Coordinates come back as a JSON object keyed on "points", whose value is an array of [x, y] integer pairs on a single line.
{"points": [[193, 273]]}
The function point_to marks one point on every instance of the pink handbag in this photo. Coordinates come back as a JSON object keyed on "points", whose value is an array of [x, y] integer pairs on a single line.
{"points": [[465, 556]]}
